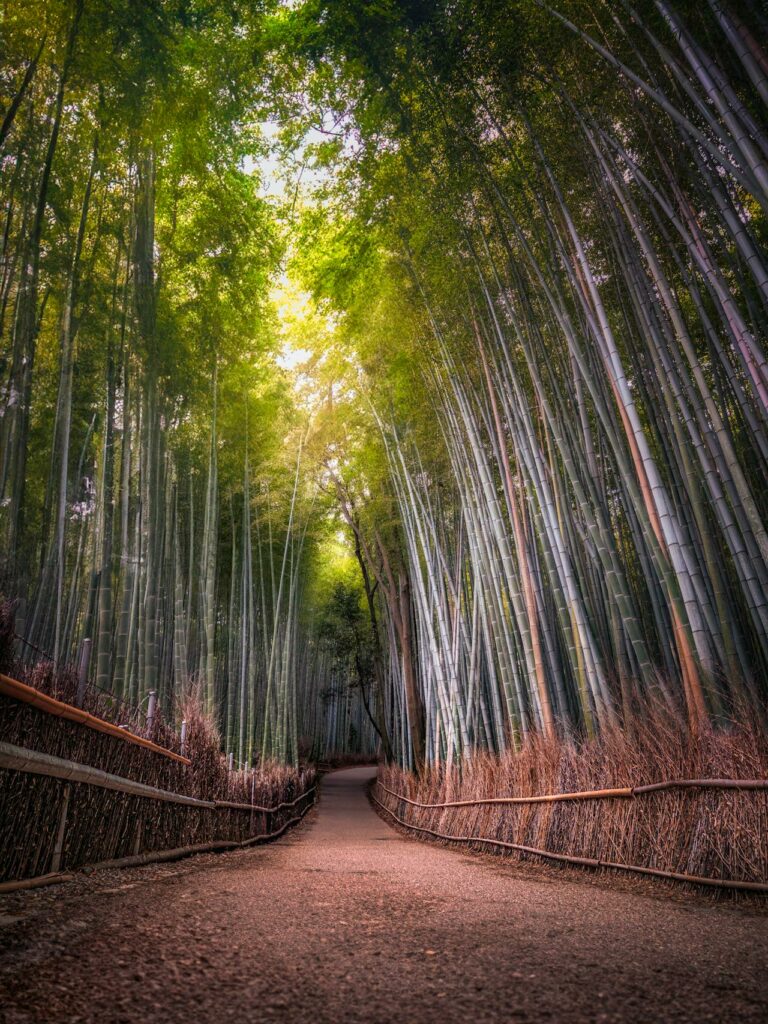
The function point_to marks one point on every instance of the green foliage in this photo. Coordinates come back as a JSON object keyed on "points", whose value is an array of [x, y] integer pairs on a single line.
{"points": [[516, 257]]}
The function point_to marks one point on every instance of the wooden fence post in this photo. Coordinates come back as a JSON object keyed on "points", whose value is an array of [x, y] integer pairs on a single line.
{"points": [[253, 801], [184, 737], [82, 671], [137, 840], [20, 626], [151, 709], [59, 847]]}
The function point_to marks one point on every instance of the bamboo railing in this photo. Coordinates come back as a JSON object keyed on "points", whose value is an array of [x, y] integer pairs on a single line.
{"points": [[19, 759], [620, 793], [15, 758], [29, 695], [33, 762]]}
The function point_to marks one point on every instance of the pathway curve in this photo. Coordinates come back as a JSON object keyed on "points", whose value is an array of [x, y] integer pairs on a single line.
{"points": [[345, 920]]}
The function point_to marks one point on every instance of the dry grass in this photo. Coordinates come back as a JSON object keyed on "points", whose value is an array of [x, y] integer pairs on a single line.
{"points": [[714, 833]]}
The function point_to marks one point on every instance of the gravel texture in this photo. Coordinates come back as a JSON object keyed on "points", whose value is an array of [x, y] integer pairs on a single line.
{"points": [[346, 920]]}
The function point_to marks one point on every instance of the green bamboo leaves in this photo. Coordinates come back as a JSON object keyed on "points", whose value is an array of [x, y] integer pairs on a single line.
{"points": [[579, 458]]}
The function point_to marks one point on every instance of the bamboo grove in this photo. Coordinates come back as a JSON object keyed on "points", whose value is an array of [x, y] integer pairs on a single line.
{"points": [[562, 320], [148, 506], [518, 484]]}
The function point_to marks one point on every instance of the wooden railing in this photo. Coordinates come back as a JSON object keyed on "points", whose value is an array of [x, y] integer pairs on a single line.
{"points": [[15, 758], [29, 695], [621, 793]]}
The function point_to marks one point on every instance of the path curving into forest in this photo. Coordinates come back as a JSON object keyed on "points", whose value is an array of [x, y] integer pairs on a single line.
{"points": [[347, 920]]}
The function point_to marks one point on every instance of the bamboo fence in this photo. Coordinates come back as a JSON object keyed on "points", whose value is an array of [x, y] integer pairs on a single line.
{"points": [[667, 837], [77, 790]]}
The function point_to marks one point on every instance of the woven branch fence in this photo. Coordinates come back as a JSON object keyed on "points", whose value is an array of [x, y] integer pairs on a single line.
{"points": [[710, 832], [76, 790]]}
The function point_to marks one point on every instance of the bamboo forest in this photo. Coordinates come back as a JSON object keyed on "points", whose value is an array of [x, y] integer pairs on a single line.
{"points": [[384, 457], [396, 372]]}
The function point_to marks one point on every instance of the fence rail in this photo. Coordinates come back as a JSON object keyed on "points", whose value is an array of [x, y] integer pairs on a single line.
{"points": [[156, 856], [33, 762], [621, 793], [257, 807], [20, 759], [29, 695], [581, 861]]}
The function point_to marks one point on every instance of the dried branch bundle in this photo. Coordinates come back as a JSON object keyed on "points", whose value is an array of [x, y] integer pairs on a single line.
{"points": [[104, 825], [714, 833]]}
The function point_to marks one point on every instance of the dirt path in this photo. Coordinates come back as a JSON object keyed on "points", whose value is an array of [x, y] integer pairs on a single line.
{"points": [[347, 921]]}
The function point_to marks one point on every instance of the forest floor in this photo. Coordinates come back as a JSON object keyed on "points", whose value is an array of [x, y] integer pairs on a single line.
{"points": [[346, 920]]}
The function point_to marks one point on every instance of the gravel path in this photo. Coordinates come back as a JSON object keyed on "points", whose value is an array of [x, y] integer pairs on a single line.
{"points": [[345, 920]]}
